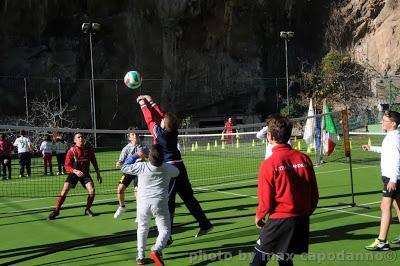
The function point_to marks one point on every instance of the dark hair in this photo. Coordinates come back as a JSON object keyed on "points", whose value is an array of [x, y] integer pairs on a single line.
{"points": [[156, 156], [171, 121], [280, 128], [393, 116], [46, 137], [23, 133], [3, 136]]}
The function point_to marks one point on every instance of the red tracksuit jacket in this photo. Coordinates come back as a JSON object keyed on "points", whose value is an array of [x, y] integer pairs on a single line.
{"points": [[84, 156], [287, 185]]}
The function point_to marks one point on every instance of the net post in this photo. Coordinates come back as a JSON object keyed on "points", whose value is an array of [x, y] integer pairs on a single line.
{"points": [[347, 150]]}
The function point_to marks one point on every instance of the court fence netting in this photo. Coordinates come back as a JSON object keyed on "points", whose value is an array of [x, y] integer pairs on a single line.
{"points": [[211, 158]]}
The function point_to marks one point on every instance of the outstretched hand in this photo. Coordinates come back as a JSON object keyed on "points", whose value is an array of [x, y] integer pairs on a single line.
{"points": [[139, 98], [147, 97]]}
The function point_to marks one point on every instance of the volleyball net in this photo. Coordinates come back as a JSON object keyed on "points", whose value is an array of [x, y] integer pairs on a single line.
{"points": [[211, 158]]}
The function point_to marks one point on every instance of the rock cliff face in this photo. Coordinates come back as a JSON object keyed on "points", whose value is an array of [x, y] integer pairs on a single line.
{"points": [[199, 57], [370, 29]]}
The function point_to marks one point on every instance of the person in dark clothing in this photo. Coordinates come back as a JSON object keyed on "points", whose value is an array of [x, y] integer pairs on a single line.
{"points": [[164, 129]]}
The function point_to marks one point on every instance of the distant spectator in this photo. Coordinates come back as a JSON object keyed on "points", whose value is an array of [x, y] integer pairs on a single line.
{"points": [[61, 150], [46, 148], [25, 148], [6, 148]]}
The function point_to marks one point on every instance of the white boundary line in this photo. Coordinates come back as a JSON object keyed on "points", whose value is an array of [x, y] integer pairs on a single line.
{"points": [[325, 208]]}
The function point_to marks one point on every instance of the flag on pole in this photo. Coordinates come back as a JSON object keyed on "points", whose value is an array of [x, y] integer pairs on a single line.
{"points": [[318, 136], [330, 132], [309, 129]]}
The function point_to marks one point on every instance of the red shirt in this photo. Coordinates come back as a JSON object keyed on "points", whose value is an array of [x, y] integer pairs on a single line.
{"points": [[6, 147], [228, 126], [287, 185], [152, 117], [84, 156]]}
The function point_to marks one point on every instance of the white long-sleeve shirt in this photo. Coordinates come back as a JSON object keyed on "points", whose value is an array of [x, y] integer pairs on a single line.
{"points": [[262, 135], [153, 181], [390, 155], [46, 147]]}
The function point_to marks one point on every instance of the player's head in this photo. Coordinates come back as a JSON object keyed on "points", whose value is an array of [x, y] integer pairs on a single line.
{"points": [[79, 139], [169, 121], [156, 155], [23, 133], [279, 128], [390, 120], [2, 136], [133, 137], [46, 137], [229, 119]]}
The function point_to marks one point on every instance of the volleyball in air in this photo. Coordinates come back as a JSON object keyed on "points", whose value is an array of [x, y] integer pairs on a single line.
{"points": [[133, 80]]}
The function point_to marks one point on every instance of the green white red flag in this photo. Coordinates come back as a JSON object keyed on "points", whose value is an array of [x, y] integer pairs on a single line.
{"points": [[330, 132]]}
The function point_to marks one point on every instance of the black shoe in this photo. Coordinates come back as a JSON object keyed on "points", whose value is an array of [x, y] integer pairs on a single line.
{"points": [[169, 242], [53, 215], [89, 213], [204, 230]]}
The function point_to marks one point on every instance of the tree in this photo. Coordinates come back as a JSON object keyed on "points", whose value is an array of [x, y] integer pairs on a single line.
{"points": [[47, 112], [338, 78]]}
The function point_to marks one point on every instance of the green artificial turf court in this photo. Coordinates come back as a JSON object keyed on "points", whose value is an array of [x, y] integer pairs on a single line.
{"points": [[225, 182]]}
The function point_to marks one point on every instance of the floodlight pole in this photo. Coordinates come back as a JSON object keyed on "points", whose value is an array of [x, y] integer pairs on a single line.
{"points": [[287, 35], [93, 95], [287, 79], [92, 28]]}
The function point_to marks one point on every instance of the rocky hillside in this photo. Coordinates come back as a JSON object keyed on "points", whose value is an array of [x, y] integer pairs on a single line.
{"points": [[199, 57], [370, 30]]}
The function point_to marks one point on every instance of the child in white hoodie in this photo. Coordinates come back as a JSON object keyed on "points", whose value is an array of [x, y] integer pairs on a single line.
{"points": [[153, 183]]}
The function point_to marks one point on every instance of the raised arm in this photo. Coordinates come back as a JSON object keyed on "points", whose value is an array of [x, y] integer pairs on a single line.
{"points": [[148, 117], [157, 110]]}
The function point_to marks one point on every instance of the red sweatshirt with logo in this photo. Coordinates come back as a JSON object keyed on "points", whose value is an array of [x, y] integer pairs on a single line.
{"points": [[287, 186], [84, 156]]}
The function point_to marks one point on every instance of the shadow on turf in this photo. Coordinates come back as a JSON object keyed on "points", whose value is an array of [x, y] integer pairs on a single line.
{"points": [[349, 194], [209, 255], [117, 238], [344, 233]]}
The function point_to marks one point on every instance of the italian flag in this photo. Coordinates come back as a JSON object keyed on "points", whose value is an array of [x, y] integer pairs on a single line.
{"points": [[330, 132]]}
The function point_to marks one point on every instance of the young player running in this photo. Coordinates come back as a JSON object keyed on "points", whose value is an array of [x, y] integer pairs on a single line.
{"points": [[154, 178], [164, 128], [390, 169], [288, 192], [77, 164], [131, 148]]}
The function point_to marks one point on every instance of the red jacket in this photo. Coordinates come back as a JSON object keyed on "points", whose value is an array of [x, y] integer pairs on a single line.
{"points": [[287, 185], [228, 127], [152, 117], [82, 161], [6, 147]]}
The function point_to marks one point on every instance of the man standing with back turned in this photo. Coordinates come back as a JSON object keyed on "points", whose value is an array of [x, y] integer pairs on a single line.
{"points": [[288, 192]]}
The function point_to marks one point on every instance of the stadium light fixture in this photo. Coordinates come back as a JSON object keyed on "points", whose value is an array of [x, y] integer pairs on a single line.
{"points": [[92, 28], [287, 35]]}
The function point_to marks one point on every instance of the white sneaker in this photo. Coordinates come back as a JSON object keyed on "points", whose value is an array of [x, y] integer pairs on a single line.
{"points": [[119, 211]]}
